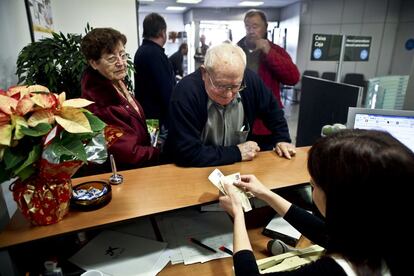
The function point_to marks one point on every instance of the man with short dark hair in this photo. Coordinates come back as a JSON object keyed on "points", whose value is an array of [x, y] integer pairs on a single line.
{"points": [[271, 62], [154, 76]]}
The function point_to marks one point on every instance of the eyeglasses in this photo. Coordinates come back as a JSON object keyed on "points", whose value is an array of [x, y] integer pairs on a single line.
{"points": [[114, 58], [239, 87]]}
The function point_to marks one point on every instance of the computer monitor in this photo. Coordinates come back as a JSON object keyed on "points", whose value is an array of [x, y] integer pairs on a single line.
{"points": [[399, 123], [323, 102]]}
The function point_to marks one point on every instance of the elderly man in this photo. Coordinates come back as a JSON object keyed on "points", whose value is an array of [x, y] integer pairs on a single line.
{"points": [[212, 109]]}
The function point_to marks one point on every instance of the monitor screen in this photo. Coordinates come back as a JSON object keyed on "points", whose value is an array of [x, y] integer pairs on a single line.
{"points": [[399, 123]]}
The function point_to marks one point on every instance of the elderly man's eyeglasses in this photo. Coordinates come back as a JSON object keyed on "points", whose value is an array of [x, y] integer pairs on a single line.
{"points": [[238, 87], [114, 58]]}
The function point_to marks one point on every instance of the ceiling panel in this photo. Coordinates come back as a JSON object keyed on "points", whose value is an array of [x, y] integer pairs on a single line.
{"points": [[160, 5]]}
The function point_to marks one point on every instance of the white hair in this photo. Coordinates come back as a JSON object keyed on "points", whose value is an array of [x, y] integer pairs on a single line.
{"points": [[224, 54]]}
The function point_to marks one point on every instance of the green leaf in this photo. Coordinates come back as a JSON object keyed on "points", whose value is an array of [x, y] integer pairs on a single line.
{"points": [[26, 172], [96, 123], [73, 149], [39, 130], [11, 159], [34, 155]]}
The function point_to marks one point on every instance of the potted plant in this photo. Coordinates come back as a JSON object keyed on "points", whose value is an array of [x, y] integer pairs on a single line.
{"points": [[44, 139], [57, 63]]}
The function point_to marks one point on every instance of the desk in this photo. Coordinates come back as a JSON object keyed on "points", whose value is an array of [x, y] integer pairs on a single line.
{"points": [[152, 190], [224, 267]]}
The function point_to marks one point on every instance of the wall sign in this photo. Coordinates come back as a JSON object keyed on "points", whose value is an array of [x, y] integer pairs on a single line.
{"points": [[357, 48], [409, 44], [326, 47]]}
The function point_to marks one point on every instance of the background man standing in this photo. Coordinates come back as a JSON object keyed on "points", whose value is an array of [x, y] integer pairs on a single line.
{"points": [[154, 76], [271, 62]]}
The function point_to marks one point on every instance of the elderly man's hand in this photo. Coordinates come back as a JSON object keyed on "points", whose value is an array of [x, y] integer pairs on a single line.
{"points": [[285, 149], [248, 150]]}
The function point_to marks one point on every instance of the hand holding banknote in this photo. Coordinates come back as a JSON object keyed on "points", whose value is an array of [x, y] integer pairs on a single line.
{"points": [[219, 180], [251, 185], [231, 202]]}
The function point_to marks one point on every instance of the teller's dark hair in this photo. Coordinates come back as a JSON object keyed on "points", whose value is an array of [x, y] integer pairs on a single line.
{"points": [[366, 176]]}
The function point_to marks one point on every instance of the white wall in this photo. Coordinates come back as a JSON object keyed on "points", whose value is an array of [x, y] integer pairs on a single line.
{"points": [[375, 18], [290, 19], [72, 17], [14, 35], [403, 58]]}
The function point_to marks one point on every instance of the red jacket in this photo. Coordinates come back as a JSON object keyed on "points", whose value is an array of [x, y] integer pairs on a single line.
{"points": [[133, 148], [274, 68]]}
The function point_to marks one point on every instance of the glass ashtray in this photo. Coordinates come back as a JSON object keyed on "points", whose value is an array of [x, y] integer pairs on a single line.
{"points": [[91, 195]]}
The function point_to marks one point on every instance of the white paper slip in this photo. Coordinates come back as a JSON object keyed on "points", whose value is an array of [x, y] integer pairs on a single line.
{"points": [[215, 178], [215, 207], [279, 228], [213, 229], [117, 253]]}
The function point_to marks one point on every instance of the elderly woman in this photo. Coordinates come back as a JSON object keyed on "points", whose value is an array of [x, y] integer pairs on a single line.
{"points": [[103, 83]]}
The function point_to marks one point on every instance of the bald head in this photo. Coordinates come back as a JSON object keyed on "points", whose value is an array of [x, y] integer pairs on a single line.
{"points": [[225, 57]]}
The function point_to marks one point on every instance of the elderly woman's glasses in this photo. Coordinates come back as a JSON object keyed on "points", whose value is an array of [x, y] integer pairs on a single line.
{"points": [[238, 87], [114, 58]]}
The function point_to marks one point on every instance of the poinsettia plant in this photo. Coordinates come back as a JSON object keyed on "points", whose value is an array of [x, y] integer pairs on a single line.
{"points": [[38, 125]]}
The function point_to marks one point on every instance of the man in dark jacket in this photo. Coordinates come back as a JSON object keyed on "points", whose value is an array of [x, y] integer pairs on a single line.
{"points": [[212, 109], [154, 76]]}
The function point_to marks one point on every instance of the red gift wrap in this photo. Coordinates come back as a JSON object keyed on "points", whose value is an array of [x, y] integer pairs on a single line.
{"points": [[44, 198], [43, 201]]}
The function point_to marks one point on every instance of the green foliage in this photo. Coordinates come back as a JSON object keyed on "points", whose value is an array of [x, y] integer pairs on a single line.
{"points": [[57, 63]]}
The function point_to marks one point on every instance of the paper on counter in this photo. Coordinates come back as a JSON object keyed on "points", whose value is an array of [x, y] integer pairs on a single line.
{"points": [[213, 229], [116, 253]]}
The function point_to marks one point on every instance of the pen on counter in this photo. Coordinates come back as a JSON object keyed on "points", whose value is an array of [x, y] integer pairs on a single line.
{"points": [[202, 245], [225, 249]]}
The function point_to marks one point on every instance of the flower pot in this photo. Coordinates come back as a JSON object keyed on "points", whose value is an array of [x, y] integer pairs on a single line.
{"points": [[43, 201]]}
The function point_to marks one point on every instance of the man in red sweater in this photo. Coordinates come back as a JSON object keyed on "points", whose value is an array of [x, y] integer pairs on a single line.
{"points": [[271, 62]]}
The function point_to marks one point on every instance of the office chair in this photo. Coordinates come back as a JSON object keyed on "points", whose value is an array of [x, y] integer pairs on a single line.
{"points": [[329, 76], [311, 73], [355, 79], [297, 88], [358, 80]]}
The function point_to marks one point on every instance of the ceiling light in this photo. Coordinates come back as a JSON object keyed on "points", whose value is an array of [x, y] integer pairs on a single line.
{"points": [[189, 1], [175, 8], [250, 3]]}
